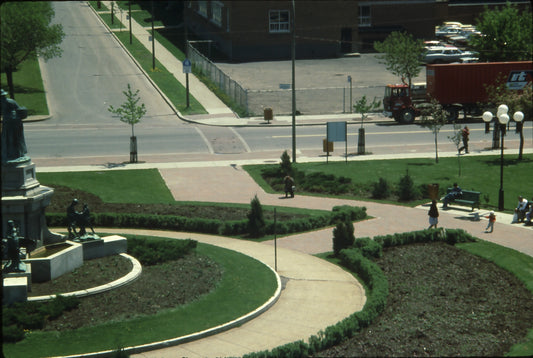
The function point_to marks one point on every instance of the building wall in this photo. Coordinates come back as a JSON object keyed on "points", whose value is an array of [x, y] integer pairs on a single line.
{"points": [[324, 28]]}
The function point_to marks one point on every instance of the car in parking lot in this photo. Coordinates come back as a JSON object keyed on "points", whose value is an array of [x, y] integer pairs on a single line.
{"points": [[444, 54]]}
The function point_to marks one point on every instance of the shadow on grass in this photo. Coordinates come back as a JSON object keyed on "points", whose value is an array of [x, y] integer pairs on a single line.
{"points": [[506, 161], [26, 90]]}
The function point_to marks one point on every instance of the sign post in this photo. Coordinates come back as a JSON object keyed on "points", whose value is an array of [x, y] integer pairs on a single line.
{"points": [[187, 68], [337, 132]]}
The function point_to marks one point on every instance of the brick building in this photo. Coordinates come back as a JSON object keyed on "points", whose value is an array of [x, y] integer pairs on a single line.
{"points": [[261, 29]]}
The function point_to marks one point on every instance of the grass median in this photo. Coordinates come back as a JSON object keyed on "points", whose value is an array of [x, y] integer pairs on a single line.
{"points": [[478, 173]]}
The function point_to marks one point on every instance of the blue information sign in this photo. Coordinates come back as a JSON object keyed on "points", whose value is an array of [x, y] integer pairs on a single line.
{"points": [[336, 132]]}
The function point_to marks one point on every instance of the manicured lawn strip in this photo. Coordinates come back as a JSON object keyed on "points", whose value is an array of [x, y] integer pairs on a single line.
{"points": [[172, 88], [29, 88], [236, 295], [121, 186], [479, 173]]}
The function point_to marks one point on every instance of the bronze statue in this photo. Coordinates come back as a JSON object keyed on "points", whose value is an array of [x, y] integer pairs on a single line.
{"points": [[11, 249], [80, 219], [13, 142]]}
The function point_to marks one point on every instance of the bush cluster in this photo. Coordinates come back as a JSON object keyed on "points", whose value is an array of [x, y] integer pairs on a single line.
{"points": [[213, 226], [26, 316], [156, 251], [358, 259]]}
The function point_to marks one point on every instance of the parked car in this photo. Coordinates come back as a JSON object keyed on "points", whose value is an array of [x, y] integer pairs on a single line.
{"points": [[442, 54]]}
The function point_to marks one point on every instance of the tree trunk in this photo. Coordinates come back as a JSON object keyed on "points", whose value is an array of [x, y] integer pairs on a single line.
{"points": [[436, 151], [10, 84], [521, 143]]}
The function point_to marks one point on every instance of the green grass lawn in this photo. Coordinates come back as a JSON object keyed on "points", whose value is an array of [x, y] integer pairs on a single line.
{"points": [[29, 88], [121, 186], [479, 173], [237, 294]]}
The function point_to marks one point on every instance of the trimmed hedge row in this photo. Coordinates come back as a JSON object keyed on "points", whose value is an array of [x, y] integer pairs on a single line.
{"points": [[358, 260], [214, 226]]}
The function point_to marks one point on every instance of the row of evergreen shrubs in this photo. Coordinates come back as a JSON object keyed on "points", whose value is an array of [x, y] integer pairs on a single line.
{"points": [[358, 259], [25, 316], [317, 182], [213, 226]]}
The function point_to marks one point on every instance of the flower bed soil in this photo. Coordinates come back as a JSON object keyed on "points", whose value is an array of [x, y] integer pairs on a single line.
{"points": [[443, 302]]}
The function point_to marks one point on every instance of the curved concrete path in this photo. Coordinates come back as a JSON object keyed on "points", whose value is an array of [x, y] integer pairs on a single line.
{"points": [[316, 294]]}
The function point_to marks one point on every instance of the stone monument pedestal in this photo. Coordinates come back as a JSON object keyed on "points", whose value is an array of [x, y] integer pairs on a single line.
{"points": [[24, 201]]}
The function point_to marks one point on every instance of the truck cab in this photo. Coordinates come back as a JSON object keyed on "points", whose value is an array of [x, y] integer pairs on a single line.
{"points": [[397, 103]]}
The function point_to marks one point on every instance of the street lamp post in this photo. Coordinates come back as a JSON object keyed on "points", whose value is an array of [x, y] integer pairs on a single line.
{"points": [[503, 119], [518, 117]]}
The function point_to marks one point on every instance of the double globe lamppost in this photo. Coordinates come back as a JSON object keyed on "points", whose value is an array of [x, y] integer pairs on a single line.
{"points": [[503, 118]]}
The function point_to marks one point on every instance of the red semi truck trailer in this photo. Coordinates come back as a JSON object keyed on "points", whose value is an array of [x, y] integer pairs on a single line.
{"points": [[457, 87]]}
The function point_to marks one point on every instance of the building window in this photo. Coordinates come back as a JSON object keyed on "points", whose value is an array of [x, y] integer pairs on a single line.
{"points": [[365, 18], [279, 21], [216, 12], [202, 8]]}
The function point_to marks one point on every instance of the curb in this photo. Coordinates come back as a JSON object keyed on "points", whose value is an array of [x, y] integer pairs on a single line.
{"points": [[128, 278], [193, 336]]}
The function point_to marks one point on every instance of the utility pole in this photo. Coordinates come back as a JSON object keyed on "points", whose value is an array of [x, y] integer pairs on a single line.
{"points": [[293, 83], [129, 18], [153, 38]]}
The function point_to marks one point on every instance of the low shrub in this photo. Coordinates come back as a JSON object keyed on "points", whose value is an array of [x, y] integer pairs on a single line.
{"points": [[407, 190], [368, 247], [21, 316], [154, 251], [381, 189]]}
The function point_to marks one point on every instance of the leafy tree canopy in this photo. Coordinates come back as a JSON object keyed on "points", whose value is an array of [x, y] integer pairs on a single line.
{"points": [[507, 34], [401, 53], [27, 32]]}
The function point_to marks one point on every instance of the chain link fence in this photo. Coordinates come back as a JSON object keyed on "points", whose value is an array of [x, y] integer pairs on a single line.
{"points": [[253, 101]]}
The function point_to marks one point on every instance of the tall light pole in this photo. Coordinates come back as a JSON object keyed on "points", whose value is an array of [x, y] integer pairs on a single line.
{"points": [[503, 119], [153, 38], [293, 52]]}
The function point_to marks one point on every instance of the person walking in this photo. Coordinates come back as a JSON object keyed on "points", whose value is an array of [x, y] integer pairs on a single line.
{"points": [[465, 133], [433, 215], [492, 220], [289, 186]]}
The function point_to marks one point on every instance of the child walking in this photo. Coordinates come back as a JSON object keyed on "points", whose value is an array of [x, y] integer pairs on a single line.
{"points": [[492, 220]]}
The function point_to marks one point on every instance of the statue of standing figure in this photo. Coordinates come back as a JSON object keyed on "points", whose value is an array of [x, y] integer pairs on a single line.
{"points": [[13, 142], [12, 248]]}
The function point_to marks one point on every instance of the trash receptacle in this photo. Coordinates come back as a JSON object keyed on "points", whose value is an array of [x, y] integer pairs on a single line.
{"points": [[327, 146], [433, 191], [268, 115]]}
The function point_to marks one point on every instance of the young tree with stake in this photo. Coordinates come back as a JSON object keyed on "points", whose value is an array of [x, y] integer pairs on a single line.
{"points": [[131, 113]]}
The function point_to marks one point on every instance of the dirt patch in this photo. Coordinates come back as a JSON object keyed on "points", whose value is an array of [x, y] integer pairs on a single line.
{"points": [[159, 287], [443, 302]]}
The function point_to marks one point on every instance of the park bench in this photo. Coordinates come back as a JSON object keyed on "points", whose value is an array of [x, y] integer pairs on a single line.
{"points": [[469, 197]]}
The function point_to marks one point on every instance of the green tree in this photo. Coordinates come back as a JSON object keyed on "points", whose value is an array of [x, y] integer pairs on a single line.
{"points": [[401, 54], [285, 165], [27, 33], [456, 138], [256, 219], [363, 107], [507, 34], [129, 112], [434, 117], [343, 236]]}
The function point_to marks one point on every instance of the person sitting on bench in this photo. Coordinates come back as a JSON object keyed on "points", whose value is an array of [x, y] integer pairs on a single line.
{"points": [[455, 193], [521, 209]]}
